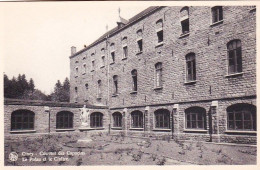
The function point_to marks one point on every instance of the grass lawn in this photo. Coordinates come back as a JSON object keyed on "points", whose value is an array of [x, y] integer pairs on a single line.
{"points": [[104, 149]]}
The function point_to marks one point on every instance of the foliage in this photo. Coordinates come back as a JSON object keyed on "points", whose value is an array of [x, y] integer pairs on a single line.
{"points": [[20, 88]]}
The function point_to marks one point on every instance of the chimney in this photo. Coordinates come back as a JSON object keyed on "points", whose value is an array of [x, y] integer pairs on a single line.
{"points": [[73, 50]]}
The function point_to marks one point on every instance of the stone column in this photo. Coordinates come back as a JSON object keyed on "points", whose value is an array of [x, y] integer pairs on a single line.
{"points": [[175, 119], [214, 121], [125, 121]]}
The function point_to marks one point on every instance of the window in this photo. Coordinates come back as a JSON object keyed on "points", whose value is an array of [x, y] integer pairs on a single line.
{"points": [[76, 94], [159, 30], [86, 86], [217, 14], [77, 71], [64, 120], [241, 117], [190, 67], [102, 57], [195, 118], [162, 119], [125, 52], [112, 48], [125, 49], [234, 56], [22, 120], [96, 120], [84, 68], [137, 119], [158, 75], [103, 61], [99, 89], [115, 80], [140, 40], [117, 119], [93, 65], [185, 25], [134, 78]]}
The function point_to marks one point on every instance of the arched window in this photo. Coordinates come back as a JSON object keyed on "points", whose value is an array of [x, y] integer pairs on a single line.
{"points": [[162, 118], [185, 25], [22, 120], [217, 14], [140, 40], [96, 120], [117, 119], [190, 67], [241, 117], [86, 86], [115, 80], [159, 30], [134, 78], [234, 56], [64, 120], [137, 119], [76, 94], [158, 75], [195, 118]]}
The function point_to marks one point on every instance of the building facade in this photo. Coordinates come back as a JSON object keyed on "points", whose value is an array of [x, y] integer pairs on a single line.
{"points": [[185, 71]]}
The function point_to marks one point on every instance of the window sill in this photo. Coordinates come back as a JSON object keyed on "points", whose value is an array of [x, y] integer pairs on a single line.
{"points": [[133, 92], [241, 131], [64, 130], [124, 58], [136, 129], [102, 66], [116, 128], [114, 95], [184, 35], [158, 88], [140, 52], [163, 130], [195, 130], [112, 63], [86, 129], [234, 74], [159, 44], [23, 131], [190, 82], [217, 23]]}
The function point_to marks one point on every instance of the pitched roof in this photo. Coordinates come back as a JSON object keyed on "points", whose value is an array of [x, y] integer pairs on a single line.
{"points": [[114, 30]]}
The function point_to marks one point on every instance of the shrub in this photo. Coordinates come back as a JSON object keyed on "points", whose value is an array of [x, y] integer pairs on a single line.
{"points": [[161, 161]]}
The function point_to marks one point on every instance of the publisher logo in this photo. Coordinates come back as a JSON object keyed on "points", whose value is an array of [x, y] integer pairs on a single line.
{"points": [[13, 156]]}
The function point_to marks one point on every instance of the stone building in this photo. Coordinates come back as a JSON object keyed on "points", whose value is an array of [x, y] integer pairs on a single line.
{"points": [[185, 72]]}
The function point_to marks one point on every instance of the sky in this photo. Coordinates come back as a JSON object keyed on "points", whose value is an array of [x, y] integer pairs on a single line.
{"points": [[37, 36]]}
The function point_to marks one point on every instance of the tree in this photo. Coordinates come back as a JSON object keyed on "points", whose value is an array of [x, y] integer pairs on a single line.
{"points": [[31, 85], [61, 92]]}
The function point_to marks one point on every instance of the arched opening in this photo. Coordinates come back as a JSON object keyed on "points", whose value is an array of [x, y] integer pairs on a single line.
{"points": [[22, 120], [137, 120], [64, 120], [117, 119], [241, 116], [162, 118], [96, 120], [195, 118]]}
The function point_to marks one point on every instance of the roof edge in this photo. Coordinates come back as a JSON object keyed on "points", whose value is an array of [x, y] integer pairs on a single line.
{"points": [[118, 30]]}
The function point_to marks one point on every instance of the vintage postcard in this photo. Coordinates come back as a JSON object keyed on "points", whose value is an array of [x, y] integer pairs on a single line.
{"points": [[129, 83]]}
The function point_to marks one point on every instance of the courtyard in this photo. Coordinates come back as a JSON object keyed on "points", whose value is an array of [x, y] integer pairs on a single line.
{"points": [[103, 148]]}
